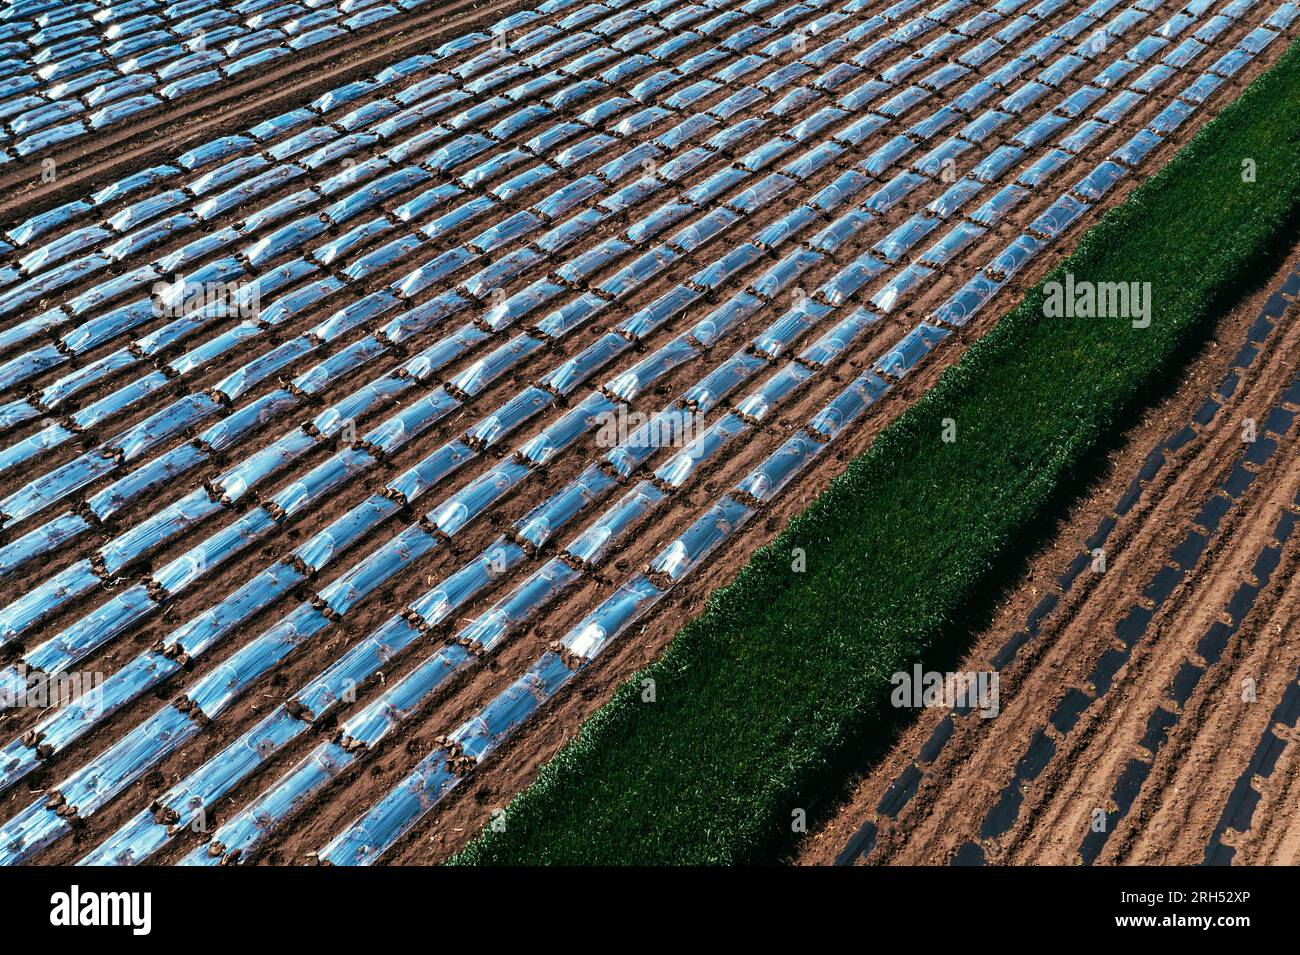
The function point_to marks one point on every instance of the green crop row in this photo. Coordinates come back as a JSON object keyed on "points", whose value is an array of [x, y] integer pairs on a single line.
{"points": [[761, 699]]}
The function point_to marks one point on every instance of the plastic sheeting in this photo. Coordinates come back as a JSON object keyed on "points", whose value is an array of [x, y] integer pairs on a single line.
{"points": [[834, 342], [256, 821], [705, 535], [279, 454], [424, 316], [214, 348], [235, 763], [37, 443], [724, 318], [384, 824], [735, 371], [784, 332], [32, 607], [847, 406], [479, 374], [56, 485], [30, 831], [386, 561], [614, 524], [542, 522], [628, 385], [214, 692], [431, 470], [237, 425], [340, 682], [119, 400], [778, 469], [149, 534], [851, 279], [213, 551], [200, 633], [510, 416], [40, 541], [842, 230], [366, 840], [96, 628], [1100, 180], [338, 469], [1058, 217], [639, 272], [611, 618], [16, 412], [954, 241], [411, 421], [955, 197], [588, 414], [705, 229], [369, 725], [481, 734], [654, 223], [963, 305], [56, 250], [757, 404], [492, 626], [1015, 256], [583, 266], [913, 346], [472, 500], [521, 304], [144, 834], [900, 288], [661, 310], [570, 230], [778, 233], [997, 162], [999, 205], [684, 465], [39, 224], [444, 351], [895, 245], [574, 372], [786, 271], [372, 723], [70, 722], [380, 391], [158, 427], [93, 786]]}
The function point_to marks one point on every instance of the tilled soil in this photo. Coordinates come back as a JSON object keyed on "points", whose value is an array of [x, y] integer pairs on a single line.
{"points": [[491, 785], [1179, 742]]}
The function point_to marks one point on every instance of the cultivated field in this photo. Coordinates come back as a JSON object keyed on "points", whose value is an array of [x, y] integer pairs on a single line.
{"points": [[337, 445], [1147, 700]]}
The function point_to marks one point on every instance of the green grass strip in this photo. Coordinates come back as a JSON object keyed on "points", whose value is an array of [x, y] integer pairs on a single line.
{"points": [[762, 696]]}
